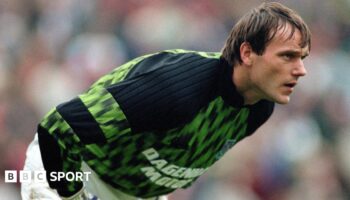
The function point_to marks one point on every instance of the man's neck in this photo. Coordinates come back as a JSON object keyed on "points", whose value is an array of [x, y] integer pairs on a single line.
{"points": [[241, 80]]}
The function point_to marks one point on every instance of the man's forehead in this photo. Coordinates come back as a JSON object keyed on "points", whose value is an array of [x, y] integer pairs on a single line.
{"points": [[288, 38], [287, 33]]}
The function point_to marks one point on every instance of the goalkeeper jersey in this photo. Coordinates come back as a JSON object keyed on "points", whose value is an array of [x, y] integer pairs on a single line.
{"points": [[152, 125]]}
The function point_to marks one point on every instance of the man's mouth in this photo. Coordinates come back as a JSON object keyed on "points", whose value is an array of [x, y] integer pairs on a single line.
{"points": [[291, 85]]}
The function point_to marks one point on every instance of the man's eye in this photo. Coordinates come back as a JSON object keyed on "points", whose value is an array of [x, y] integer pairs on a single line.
{"points": [[288, 56]]}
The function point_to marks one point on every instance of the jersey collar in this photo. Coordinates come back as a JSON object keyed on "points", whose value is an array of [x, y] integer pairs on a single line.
{"points": [[227, 88]]}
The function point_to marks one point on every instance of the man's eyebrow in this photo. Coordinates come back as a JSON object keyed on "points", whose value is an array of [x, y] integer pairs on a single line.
{"points": [[290, 52], [294, 53]]}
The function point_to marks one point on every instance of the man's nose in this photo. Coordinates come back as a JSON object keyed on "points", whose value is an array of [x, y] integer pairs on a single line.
{"points": [[299, 69]]}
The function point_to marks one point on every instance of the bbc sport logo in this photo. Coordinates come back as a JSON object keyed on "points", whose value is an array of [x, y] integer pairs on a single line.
{"points": [[23, 176]]}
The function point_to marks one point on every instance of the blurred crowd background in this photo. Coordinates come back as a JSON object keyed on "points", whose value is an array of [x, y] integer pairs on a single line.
{"points": [[51, 51]]}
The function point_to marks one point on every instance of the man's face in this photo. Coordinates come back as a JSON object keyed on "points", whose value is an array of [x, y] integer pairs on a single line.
{"points": [[275, 73]]}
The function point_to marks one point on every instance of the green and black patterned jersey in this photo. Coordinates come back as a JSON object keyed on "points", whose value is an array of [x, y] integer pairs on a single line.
{"points": [[152, 125]]}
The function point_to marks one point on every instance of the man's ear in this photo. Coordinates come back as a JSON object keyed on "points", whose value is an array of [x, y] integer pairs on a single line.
{"points": [[246, 52]]}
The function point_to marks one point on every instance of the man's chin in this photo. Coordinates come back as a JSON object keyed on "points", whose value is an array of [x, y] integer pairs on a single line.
{"points": [[278, 98], [283, 101]]}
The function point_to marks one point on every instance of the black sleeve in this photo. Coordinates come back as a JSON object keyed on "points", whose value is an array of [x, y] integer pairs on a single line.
{"points": [[76, 114], [52, 161]]}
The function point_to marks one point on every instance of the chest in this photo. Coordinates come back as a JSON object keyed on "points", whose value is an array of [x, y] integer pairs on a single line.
{"points": [[212, 132]]}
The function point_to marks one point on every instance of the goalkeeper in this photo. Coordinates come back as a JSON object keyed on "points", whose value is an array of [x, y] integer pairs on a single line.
{"points": [[158, 122]]}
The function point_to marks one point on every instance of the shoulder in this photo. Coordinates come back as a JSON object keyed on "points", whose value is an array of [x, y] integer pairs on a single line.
{"points": [[174, 58]]}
